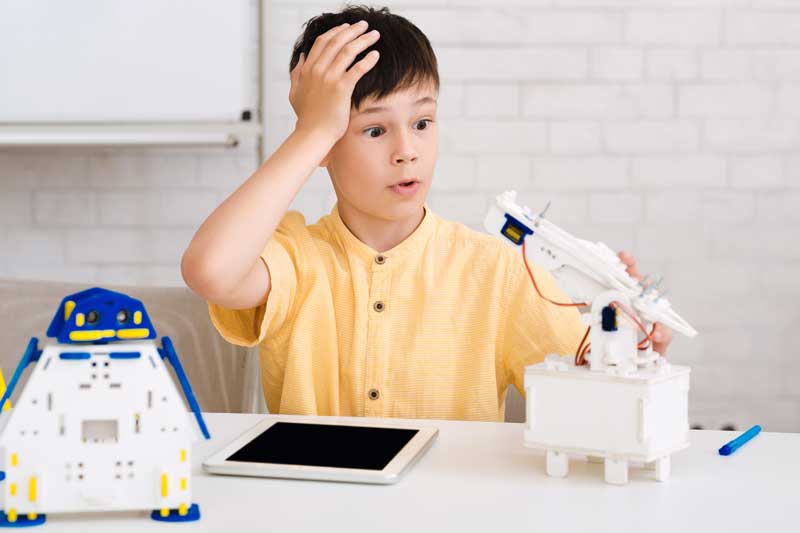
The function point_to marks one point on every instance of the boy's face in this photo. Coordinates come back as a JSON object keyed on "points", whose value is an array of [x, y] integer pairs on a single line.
{"points": [[389, 141]]}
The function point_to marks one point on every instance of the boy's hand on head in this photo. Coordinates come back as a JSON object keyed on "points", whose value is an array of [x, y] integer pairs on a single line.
{"points": [[321, 84], [662, 335]]}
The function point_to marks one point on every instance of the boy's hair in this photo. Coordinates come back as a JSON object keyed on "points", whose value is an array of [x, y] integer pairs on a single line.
{"points": [[406, 56]]}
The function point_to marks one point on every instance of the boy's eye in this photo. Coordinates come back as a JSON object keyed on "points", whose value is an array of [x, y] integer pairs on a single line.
{"points": [[377, 131]]}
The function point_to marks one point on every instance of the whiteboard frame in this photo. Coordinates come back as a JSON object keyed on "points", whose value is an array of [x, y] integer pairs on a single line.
{"points": [[120, 133]]}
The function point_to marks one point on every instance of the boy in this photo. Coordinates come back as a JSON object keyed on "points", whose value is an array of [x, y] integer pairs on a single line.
{"points": [[380, 308]]}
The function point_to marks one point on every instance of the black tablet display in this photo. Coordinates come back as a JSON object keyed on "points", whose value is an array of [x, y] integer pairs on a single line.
{"points": [[290, 443]]}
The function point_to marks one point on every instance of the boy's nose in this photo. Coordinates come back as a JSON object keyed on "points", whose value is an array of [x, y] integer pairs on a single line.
{"points": [[400, 158], [404, 152]]}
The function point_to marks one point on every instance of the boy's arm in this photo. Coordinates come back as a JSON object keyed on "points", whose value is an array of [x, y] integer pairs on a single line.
{"points": [[223, 261]]}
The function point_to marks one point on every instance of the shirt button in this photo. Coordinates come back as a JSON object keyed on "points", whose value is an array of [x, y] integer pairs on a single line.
{"points": [[374, 394], [379, 306], [380, 259]]}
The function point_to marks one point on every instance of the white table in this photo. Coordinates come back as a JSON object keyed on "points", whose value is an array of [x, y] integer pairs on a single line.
{"points": [[479, 477]]}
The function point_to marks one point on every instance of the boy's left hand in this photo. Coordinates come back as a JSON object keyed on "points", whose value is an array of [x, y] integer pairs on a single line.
{"points": [[662, 335]]}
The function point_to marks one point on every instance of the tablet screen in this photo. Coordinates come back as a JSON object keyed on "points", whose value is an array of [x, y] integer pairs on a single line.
{"points": [[367, 448]]}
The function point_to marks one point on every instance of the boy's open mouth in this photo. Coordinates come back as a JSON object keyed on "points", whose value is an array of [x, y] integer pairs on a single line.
{"points": [[408, 183], [406, 188]]}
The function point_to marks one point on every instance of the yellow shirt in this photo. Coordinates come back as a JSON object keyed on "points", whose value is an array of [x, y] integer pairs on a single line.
{"points": [[436, 327]]}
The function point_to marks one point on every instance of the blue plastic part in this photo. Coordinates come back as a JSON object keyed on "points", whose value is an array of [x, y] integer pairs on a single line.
{"points": [[736, 443], [2, 475], [32, 353], [58, 322], [74, 356], [609, 318], [169, 353], [193, 513], [514, 230], [107, 304], [22, 520], [124, 355]]}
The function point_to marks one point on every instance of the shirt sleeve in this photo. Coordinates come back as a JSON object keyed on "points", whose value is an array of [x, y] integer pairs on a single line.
{"points": [[535, 327], [283, 257]]}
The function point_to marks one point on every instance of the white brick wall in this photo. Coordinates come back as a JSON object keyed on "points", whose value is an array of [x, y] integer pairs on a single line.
{"points": [[670, 127]]}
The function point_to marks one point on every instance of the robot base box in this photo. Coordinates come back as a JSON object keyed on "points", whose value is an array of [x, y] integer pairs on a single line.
{"points": [[638, 416]]}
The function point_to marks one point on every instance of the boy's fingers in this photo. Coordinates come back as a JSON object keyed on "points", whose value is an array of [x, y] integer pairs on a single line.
{"points": [[662, 337], [294, 80], [295, 74], [336, 43], [630, 263], [362, 67], [662, 333], [351, 50], [321, 41]]}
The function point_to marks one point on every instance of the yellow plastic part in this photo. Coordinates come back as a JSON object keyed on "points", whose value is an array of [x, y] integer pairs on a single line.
{"points": [[163, 485], [513, 232], [91, 335], [68, 308], [12, 515], [183, 510], [32, 489], [137, 317], [80, 320], [12, 489], [183, 483], [7, 405], [31, 516], [13, 459], [164, 512], [133, 333], [183, 456]]}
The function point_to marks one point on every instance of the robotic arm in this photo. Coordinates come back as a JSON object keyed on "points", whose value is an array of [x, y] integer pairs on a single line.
{"points": [[621, 307]]}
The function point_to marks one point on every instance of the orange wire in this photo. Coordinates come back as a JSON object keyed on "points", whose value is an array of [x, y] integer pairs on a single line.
{"points": [[648, 336], [652, 330], [586, 349], [582, 350], [535, 286], [579, 360], [579, 355]]}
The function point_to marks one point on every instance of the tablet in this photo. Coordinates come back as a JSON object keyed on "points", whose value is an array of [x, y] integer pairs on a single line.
{"points": [[324, 449]]}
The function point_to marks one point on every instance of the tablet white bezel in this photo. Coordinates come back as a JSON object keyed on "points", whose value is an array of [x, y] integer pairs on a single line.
{"points": [[405, 458]]}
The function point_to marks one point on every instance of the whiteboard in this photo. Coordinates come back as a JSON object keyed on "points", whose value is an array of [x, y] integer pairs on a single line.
{"points": [[128, 61]]}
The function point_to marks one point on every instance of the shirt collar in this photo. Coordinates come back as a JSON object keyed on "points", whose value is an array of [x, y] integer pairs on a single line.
{"points": [[412, 243]]}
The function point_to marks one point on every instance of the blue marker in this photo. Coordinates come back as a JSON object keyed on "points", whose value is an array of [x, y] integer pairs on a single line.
{"points": [[734, 445]]}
